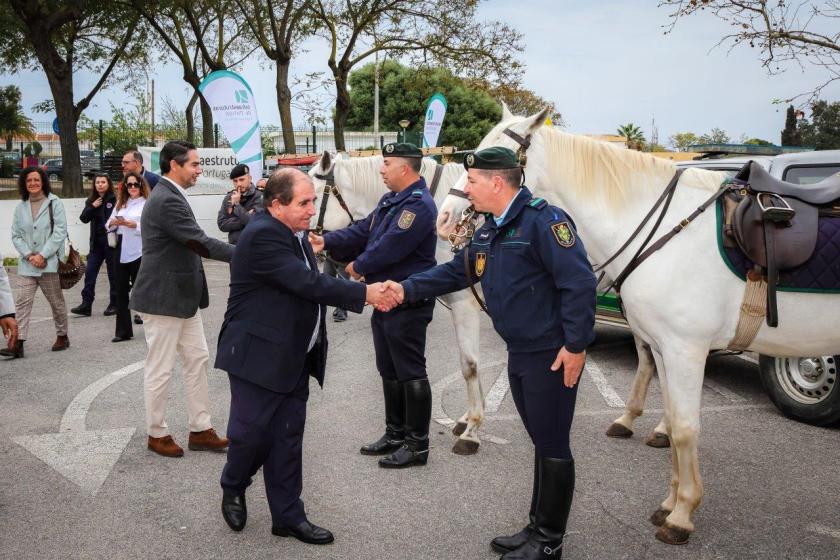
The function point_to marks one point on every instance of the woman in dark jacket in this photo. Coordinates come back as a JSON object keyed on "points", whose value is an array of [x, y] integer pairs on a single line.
{"points": [[98, 208]]}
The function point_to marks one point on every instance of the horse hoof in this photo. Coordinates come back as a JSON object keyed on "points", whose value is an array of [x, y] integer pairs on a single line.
{"points": [[619, 431], [465, 447], [672, 535], [459, 428], [658, 440], [658, 517]]}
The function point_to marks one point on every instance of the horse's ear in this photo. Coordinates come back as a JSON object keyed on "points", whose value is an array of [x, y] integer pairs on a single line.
{"points": [[506, 114], [325, 160], [536, 121]]}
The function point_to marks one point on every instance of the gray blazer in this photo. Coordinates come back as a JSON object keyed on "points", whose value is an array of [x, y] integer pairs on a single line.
{"points": [[7, 302], [171, 278]]}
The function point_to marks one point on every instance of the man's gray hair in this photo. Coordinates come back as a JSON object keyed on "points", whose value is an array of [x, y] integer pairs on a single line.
{"points": [[138, 157], [511, 177]]}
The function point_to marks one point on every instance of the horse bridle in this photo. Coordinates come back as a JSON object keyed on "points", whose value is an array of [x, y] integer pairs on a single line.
{"points": [[330, 188]]}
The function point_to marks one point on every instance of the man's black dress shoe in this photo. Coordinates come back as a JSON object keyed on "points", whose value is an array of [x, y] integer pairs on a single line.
{"points": [[120, 338], [110, 310], [234, 511], [305, 532]]}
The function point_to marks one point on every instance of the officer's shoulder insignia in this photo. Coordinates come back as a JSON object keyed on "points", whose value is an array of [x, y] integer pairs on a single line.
{"points": [[563, 234], [389, 148], [538, 203], [480, 263], [406, 219], [417, 194]]}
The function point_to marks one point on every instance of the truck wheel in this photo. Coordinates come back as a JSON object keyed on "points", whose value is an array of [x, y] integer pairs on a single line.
{"points": [[805, 389]]}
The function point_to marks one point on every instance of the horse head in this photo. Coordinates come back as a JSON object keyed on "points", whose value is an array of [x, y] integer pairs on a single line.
{"points": [[523, 129], [346, 189]]}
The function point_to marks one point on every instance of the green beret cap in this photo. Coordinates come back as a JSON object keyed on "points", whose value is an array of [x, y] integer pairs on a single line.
{"points": [[401, 149], [492, 158]]}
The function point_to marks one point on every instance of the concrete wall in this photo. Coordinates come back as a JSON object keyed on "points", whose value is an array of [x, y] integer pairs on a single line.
{"points": [[205, 208]]}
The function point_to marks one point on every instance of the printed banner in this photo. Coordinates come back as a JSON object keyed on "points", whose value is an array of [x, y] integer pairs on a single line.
{"points": [[216, 164], [235, 111], [435, 111]]}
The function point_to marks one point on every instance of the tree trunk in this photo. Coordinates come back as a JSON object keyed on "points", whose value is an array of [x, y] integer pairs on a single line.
{"points": [[9, 143], [191, 118], [61, 85], [207, 139], [342, 110], [284, 104]]}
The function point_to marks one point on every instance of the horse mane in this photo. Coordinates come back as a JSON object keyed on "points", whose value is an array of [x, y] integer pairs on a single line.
{"points": [[613, 174], [362, 173]]}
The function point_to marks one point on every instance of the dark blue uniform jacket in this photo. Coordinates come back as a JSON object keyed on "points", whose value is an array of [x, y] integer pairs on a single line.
{"points": [[395, 241], [537, 281], [272, 308]]}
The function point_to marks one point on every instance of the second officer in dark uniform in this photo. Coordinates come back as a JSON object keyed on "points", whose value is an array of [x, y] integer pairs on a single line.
{"points": [[540, 293], [395, 241]]}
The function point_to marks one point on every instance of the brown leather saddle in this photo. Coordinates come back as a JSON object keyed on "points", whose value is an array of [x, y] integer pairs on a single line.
{"points": [[776, 223]]}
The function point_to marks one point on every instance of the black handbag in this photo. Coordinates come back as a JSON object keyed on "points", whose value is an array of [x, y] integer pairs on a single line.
{"points": [[71, 270]]}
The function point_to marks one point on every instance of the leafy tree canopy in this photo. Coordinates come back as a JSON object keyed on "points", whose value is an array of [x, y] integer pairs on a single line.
{"points": [[404, 93], [822, 129]]}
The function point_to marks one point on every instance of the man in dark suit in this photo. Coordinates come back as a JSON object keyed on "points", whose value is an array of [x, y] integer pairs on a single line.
{"points": [[272, 339], [169, 291], [132, 162]]}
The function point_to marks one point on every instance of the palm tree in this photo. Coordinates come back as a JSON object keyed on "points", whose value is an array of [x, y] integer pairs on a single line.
{"points": [[13, 123], [634, 135]]}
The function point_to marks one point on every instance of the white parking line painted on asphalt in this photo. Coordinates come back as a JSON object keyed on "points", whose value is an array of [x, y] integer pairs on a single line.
{"points": [[83, 457], [497, 393], [823, 530], [603, 386], [723, 391], [440, 416]]}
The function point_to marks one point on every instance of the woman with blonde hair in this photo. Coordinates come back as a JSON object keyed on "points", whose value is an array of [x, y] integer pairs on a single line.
{"points": [[125, 219]]}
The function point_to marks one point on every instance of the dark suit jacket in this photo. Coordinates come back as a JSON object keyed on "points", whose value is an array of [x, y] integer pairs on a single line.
{"points": [[171, 278], [272, 307]]}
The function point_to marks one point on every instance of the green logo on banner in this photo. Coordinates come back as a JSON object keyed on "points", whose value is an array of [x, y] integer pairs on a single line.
{"points": [[241, 96]]}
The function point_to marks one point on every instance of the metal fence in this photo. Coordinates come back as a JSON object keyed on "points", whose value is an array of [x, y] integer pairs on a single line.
{"points": [[102, 141]]}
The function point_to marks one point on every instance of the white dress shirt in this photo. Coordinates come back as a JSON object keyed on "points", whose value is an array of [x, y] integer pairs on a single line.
{"points": [[132, 243], [314, 338]]}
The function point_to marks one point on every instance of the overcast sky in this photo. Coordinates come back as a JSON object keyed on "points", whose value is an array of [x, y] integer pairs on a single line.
{"points": [[603, 63]]}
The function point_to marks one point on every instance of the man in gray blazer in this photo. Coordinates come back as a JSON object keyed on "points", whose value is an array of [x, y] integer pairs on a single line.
{"points": [[7, 308], [170, 289]]}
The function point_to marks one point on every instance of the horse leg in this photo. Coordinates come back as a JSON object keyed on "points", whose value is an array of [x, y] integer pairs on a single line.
{"points": [[659, 438], [465, 318], [683, 374], [667, 506], [623, 426]]}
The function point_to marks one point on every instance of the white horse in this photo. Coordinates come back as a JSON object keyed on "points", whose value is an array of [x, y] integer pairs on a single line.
{"points": [[683, 301], [360, 186]]}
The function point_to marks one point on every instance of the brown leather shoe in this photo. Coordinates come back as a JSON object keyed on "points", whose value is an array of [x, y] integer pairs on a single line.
{"points": [[61, 343], [207, 440], [165, 446]]}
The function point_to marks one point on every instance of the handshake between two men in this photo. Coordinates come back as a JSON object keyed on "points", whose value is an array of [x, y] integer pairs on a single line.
{"points": [[384, 296]]}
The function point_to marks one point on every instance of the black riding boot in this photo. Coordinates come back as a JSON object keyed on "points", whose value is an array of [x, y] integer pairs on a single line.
{"points": [[394, 421], [557, 485], [506, 544], [418, 414], [16, 352]]}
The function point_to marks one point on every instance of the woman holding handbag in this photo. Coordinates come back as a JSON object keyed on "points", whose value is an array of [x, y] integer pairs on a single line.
{"points": [[39, 228], [131, 197], [98, 208]]}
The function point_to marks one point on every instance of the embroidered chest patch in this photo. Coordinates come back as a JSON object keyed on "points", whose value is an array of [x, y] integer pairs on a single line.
{"points": [[406, 219], [563, 234], [480, 263]]}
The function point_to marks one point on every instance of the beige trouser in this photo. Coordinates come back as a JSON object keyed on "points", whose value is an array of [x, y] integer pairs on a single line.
{"points": [[166, 337], [25, 289]]}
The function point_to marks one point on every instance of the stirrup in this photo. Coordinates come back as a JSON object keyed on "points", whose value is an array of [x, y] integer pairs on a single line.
{"points": [[777, 208]]}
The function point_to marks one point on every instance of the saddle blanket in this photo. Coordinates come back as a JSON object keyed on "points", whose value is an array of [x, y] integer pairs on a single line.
{"points": [[821, 273]]}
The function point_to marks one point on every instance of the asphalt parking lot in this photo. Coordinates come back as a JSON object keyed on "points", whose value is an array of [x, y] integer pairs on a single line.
{"points": [[78, 481]]}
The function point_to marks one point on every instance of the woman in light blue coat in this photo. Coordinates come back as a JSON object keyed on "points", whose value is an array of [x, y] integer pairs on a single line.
{"points": [[39, 229]]}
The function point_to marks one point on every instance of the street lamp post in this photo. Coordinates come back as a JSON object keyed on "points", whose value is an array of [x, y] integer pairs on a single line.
{"points": [[404, 124]]}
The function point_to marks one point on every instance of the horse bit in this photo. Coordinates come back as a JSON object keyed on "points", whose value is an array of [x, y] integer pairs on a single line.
{"points": [[330, 188], [465, 227]]}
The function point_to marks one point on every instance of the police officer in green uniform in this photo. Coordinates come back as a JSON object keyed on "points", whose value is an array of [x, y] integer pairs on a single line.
{"points": [[540, 293]]}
